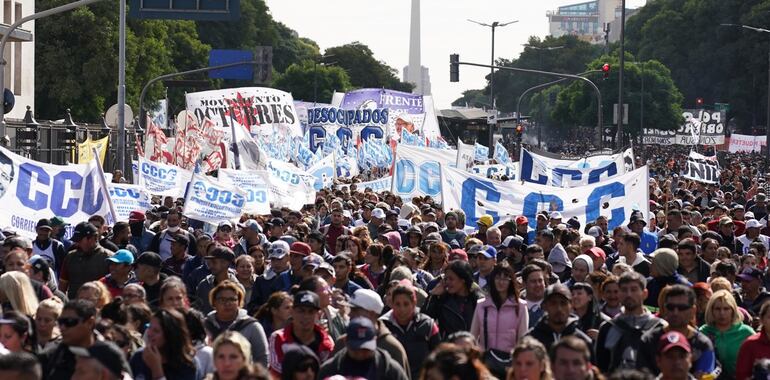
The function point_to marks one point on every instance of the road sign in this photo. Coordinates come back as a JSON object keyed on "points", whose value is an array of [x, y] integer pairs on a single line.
{"points": [[199, 10]]}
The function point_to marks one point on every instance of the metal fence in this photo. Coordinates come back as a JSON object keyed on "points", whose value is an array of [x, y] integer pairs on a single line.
{"points": [[56, 142]]}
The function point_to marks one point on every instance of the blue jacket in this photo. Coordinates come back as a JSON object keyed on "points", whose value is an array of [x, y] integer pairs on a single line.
{"points": [[649, 242]]}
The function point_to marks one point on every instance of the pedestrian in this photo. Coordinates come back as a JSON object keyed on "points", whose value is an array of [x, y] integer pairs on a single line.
{"points": [[300, 363], [724, 326], [530, 361], [755, 347], [16, 332], [571, 360], [232, 354], [275, 313], [453, 299], [169, 352]]}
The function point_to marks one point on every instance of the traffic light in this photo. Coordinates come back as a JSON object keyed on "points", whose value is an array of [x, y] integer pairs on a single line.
{"points": [[605, 71], [454, 67], [519, 132], [699, 102]]}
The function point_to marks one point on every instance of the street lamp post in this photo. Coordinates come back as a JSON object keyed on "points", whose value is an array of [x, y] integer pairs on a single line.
{"points": [[621, 68], [14, 26], [494, 25], [767, 119]]}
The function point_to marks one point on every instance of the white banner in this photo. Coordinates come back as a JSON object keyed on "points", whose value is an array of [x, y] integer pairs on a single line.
{"points": [[254, 183], [323, 172], [127, 198], [417, 171], [746, 143], [511, 170], [701, 168], [212, 201], [378, 185], [700, 127], [289, 185], [466, 153], [543, 170], [162, 179], [32, 190], [476, 195]]}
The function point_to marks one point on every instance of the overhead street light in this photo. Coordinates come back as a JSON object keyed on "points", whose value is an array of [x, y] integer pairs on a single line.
{"points": [[493, 25]]}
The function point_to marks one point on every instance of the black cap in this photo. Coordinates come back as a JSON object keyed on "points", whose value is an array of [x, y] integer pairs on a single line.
{"points": [[43, 223], [107, 354], [637, 216], [149, 258], [182, 239], [307, 298], [557, 289], [573, 223], [276, 222], [220, 252], [84, 229]]}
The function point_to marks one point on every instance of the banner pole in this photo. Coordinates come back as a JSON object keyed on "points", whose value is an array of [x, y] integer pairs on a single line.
{"points": [[106, 190]]}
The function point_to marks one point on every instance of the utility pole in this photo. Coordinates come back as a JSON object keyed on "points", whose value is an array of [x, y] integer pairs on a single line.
{"points": [[620, 73]]}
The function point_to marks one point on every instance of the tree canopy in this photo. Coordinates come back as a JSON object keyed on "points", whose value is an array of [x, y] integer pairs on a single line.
{"points": [[302, 78]]}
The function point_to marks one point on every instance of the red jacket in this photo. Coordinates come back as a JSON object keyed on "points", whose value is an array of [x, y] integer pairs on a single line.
{"points": [[283, 339], [753, 348]]}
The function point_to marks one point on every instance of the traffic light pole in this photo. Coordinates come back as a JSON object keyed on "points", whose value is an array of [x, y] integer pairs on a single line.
{"points": [[454, 76]]}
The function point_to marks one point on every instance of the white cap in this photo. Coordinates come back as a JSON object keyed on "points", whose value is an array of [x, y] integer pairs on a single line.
{"points": [[753, 223], [367, 299], [378, 213], [555, 215], [595, 231], [748, 215]]}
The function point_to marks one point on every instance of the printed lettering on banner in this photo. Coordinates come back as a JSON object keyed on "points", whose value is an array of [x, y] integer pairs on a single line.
{"points": [[289, 186], [543, 170], [162, 179], [615, 198], [417, 171], [127, 198], [699, 127], [211, 201], [701, 168], [746, 143], [32, 190], [255, 185], [490, 171]]}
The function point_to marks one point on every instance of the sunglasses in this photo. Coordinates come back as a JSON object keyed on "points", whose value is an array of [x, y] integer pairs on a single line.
{"points": [[279, 251], [68, 322], [678, 307]]}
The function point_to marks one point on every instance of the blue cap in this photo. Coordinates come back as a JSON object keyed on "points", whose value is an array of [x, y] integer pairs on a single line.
{"points": [[122, 256], [362, 334], [489, 252]]}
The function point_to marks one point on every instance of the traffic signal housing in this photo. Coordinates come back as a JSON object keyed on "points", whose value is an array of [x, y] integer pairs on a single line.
{"points": [[454, 67], [699, 102], [519, 132], [606, 71]]}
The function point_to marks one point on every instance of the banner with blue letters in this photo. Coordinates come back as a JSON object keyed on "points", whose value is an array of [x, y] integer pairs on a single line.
{"points": [[497, 170], [211, 201], [290, 186], [32, 190], [254, 184], [417, 171], [163, 179], [323, 172], [543, 170], [127, 198], [615, 198]]}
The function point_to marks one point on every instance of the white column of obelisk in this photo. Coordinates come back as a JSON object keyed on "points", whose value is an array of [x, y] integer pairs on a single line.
{"points": [[414, 69]]}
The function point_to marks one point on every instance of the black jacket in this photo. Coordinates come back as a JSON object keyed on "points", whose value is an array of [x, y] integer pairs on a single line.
{"points": [[419, 338], [545, 334], [451, 312], [384, 368]]}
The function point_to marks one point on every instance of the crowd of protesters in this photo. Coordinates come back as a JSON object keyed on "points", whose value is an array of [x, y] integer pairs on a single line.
{"points": [[364, 285]]}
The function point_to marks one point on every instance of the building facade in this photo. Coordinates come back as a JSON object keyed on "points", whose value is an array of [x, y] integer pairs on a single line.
{"points": [[19, 55], [585, 20]]}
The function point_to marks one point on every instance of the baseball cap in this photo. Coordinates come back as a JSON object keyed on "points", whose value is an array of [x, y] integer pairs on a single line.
{"points": [[573, 223], [475, 250], [521, 219], [432, 237], [431, 225], [367, 299], [725, 220], [557, 289], [278, 249], [515, 242], [220, 252], [542, 214], [300, 248], [596, 253], [311, 260], [555, 215], [486, 221], [276, 222], [673, 339], [378, 213], [595, 231], [307, 298], [753, 223], [149, 258], [327, 267], [489, 252], [39, 263], [58, 221], [361, 334], [414, 230], [458, 254], [224, 224], [107, 354], [749, 274], [136, 216], [251, 224], [637, 216], [122, 256], [43, 223], [748, 215], [83, 229]]}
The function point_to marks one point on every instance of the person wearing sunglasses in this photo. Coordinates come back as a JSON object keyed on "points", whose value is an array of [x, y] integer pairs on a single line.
{"points": [[76, 322], [224, 235], [678, 309]]}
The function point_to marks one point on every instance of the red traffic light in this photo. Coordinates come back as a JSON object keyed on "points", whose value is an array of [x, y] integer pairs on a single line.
{"points": [[699, 101], [519, 129], [606, 70]]}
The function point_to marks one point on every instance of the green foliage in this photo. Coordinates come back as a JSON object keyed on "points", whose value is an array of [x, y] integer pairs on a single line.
{"points": [[576, 104], [364, 70], [717, 63], [473, 98], [299, 79]]}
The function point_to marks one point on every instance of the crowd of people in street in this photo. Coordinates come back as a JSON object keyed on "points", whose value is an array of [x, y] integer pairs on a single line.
{"points": [[363, 285]]}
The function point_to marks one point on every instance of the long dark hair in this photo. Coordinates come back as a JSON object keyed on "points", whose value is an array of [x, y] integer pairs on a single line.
{"points": [[513, 291], [273, 302], [178, 349]]}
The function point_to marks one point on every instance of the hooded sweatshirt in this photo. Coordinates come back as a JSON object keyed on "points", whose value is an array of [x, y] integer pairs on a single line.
{"points": [[728, 343]]}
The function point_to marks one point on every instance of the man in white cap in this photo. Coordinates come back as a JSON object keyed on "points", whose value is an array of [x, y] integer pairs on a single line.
{"points": [[378, 217], [367, 304], [752, 234], [555, 219]]}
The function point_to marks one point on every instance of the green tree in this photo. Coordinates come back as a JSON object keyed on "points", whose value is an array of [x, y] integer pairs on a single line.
{"points": [[576, 104], [76, 58], [473, 98], [364, 70], [299, 79]]}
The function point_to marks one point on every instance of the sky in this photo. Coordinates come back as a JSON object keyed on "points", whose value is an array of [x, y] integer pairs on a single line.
{"points": [[383, 25]]}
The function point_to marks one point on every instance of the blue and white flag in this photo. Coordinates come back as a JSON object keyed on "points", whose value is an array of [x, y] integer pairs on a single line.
{"points": [[501, 154], [212, 201], [305, 156], [482, 153], [476, 195], [254, 183], [290, 186], [438, 142], [324, 172], [162, 179], [32, 190], [408, 138], [347, 166]]}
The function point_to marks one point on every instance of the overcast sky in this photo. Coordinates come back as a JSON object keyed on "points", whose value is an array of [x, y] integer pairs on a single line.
{"points": [[383, 25]]}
